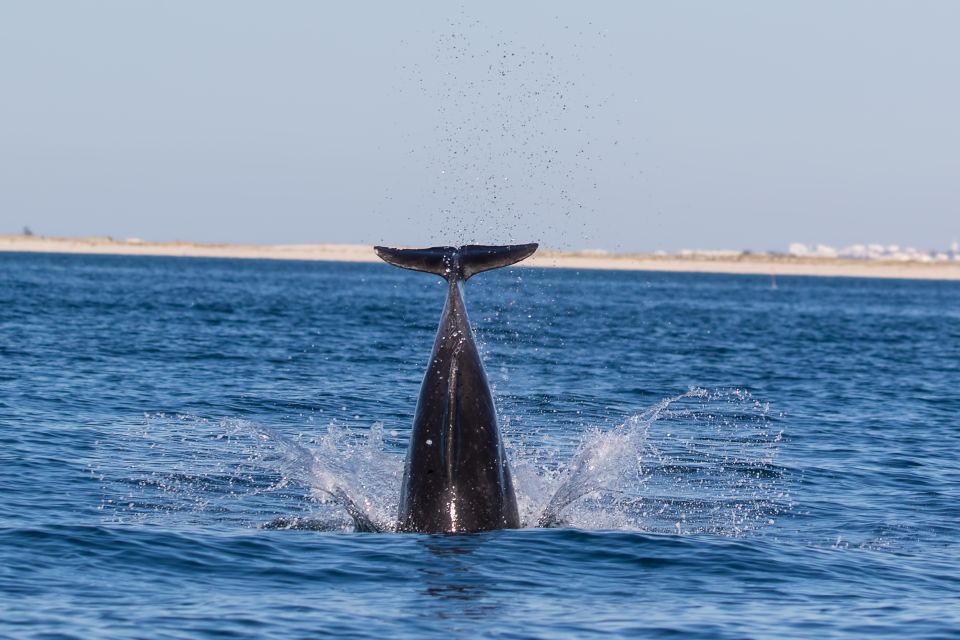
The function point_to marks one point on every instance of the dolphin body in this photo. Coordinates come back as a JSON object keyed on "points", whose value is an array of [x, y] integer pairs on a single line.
{"points": [[456, 478]]}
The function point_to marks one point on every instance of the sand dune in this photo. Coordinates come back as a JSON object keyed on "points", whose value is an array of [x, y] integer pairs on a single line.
{"points": [[761, 264]]}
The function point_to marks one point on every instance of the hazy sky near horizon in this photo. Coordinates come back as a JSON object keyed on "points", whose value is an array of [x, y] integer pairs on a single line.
{"points": [[625, 126]]}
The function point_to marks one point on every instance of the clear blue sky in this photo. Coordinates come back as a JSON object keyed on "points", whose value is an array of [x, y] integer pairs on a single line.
{"points": [[621, 125]]}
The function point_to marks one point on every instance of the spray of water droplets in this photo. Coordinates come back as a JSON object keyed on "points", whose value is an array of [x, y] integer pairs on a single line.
{"points": [[698, 462], [513, 155]]}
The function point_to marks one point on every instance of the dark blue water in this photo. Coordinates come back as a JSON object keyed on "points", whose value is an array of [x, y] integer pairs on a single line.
{"points": [[757, 462]]}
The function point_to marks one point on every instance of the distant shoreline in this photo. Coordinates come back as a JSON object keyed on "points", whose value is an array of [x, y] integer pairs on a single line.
{"points": [[756, 264]]}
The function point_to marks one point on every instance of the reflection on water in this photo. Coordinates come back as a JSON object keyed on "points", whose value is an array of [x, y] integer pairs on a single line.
{"points": [[452, 577]]}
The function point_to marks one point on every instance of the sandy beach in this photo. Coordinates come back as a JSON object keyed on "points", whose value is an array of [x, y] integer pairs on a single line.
{"points": [[759, 264]]}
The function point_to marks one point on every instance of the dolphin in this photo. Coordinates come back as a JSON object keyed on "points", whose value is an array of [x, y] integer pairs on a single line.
{"points": [[456, 478]]}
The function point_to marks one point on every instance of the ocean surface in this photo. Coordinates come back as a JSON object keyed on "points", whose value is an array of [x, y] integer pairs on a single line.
{"points": [[758, 458]]}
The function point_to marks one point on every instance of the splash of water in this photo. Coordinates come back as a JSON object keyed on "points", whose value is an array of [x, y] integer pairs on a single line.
{"points": [[605, 461], [697, 462], [362, 478]]}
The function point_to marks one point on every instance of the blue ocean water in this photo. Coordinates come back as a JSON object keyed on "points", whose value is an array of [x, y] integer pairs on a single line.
{"points": [[755, 461]]}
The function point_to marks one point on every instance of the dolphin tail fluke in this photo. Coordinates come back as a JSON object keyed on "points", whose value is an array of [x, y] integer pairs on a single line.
{"points": [[475, 258], [457, 262]]}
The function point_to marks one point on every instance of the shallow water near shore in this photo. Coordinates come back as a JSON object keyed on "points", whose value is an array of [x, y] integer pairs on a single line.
{"points": [[741, 459]]}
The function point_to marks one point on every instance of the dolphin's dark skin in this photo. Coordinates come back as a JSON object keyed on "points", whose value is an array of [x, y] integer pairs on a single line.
{"points": [[456, 478]]}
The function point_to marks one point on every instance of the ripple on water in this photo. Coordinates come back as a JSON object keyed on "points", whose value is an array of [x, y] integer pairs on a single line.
{"points": [[171, 432]]}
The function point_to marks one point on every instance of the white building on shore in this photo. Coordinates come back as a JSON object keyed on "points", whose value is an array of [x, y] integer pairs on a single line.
{"points": [[875, 252]]}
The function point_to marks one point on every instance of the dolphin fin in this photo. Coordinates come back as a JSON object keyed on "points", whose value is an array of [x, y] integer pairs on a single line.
{"points": [[457, 262]]}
